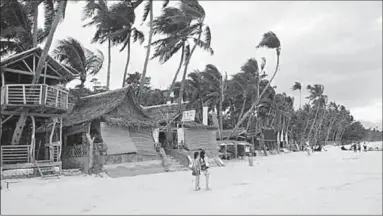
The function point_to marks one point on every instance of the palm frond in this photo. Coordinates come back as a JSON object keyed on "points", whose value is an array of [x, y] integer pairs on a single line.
{"points": [[146, 10], [204, 46], [270, 40]]}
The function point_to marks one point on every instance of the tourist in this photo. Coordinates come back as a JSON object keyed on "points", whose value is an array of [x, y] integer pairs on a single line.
{"points": [[204, 167], [365, 146], [196, 169]]}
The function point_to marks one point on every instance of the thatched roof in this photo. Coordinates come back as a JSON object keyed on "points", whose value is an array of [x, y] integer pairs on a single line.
{"points": [[116, 107], [163, 112]]}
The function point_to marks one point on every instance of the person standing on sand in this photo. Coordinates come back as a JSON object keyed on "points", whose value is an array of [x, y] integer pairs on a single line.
{"points": [[204, 167], [196, 170]]}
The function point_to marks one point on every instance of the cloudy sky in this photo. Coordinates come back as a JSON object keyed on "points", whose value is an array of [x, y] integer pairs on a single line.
{"points": [[334, 43]]}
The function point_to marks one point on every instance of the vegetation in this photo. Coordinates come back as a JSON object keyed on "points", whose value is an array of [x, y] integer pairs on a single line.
{"points": [[246, 100]]}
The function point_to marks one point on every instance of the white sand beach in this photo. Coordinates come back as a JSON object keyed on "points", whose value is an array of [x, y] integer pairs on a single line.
{"points": [[332, 182]]}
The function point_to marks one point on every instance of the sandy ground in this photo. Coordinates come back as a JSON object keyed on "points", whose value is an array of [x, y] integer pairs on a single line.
{"points": [[332, 182]]}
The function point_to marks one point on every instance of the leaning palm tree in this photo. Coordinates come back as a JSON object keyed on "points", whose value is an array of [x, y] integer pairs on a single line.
{"points": [[148, 11], [135, 35], [100, 16], [72, 54], [271, 41], [195, 12], [180, 31], [298, 86], [316, 93]]}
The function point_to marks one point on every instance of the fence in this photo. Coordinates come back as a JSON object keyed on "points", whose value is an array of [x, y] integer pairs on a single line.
{"points": [[35, 95]]}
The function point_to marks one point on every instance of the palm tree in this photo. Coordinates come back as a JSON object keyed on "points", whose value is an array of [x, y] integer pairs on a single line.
{"points": [[148, 10], [316, 93], [298, 86], [179, 31], [215, 84], [195, 12], [72, 54], [137, 36], [271, 41], [114, 24]]}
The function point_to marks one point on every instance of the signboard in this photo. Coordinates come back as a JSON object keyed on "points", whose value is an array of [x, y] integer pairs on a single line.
{"points": [[188, 115]]}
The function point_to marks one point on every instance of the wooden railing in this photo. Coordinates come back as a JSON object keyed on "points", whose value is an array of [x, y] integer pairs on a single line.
{"points": [[13, 154], [34, 95]]}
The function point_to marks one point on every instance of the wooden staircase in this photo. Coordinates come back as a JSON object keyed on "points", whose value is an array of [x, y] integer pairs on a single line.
{"points": [[46, 172], [175, 165]]}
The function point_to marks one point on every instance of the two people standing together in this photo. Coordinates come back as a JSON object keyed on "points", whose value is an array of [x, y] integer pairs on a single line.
{"points": [[200, 164]]}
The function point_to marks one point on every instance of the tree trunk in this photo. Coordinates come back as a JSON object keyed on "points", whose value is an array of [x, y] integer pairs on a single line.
{"points": [[143, 75], [243, 106], [220, 106], [256, 101], [21, 122], [126, 65], [109, 64], [35, 26], [319, 126], [312, 126], [300, 98], [329, 129], [186, 69], [177, 72]]}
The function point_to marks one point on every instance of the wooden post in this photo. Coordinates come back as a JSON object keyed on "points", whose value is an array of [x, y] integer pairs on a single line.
{"points": [[24, 97], [51, 140], [32, 153], [6, 95], [61, 134], [41, 94], [45, 72], [2, 78], [57, 96]]}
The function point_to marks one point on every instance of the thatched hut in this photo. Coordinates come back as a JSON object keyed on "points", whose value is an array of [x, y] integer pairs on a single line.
{"points": [[114, 119]]}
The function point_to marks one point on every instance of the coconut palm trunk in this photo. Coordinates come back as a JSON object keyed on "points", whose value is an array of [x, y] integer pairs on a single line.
{"points": [[243, 106], [319, 126], [187, 61], [21, 122], [300, 98], [220, 107], [143, 75], [109, 64], [176, 74], [35, 26], [329, 130], [312, 126], [127, 63]]}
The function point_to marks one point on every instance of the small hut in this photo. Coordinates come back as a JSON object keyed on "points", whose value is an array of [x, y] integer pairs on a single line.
{"points": [[177, 134], [112, 120]]}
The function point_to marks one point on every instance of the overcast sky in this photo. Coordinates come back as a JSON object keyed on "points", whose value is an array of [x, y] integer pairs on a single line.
{"points": [[336, 44]]}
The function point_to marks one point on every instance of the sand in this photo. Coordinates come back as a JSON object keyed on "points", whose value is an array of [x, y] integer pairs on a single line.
{"points": [[332, 182]]}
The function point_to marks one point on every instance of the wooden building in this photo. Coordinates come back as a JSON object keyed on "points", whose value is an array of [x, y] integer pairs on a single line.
{"points": [[112, 119], [26, 106], [189, 135]]}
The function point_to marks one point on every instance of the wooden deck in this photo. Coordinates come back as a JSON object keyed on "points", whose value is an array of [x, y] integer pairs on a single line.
{"points": [[39, 98]]}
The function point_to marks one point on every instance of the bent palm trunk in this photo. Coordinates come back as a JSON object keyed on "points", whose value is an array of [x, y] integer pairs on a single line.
{"points": [[127, 64], [143, 75], [109, 64], [176, 75]]}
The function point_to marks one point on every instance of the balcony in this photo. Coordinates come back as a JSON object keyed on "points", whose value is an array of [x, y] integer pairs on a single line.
{"points": [[39, 98]]}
